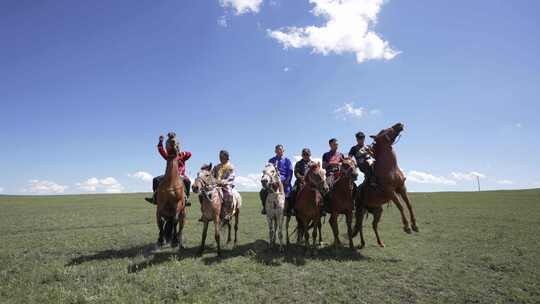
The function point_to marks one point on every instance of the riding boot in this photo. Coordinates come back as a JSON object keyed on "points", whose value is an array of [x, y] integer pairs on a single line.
{"points": [[289, 205], [152, 200]]}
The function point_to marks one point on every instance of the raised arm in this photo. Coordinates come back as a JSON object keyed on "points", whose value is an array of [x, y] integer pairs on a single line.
{"points": [[161, 149]]}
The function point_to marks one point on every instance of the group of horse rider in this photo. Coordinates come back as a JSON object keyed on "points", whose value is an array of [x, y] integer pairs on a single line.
{"points": [[224, 173]]}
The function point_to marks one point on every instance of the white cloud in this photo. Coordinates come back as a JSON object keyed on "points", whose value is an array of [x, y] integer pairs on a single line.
{"points": [[348, 110], [242, 6], [144, 176], [1, 189], [251, 182], [44, 187], [471, 176], [505, 182], [108, 185], [518, 125], [348, 29], [427, 178], [222, 21], [286, 69]]}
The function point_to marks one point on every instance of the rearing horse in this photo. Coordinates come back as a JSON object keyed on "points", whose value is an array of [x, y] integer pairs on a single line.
{"points": [[341, 200], [391, 184], [170, 197]]}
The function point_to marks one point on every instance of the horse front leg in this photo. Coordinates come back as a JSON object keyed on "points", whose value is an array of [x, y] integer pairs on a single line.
{"points": [[160, 222], [180, 230], [229, 228], [203, 239], [348, 218], [377, 213], [319, 227], [287, 230], [270, 229], [174, 235], [403, 193], [314, 235], [217, 226], [280, 234], [406, 227], [236, 218], [359, 225], [335, 229]]}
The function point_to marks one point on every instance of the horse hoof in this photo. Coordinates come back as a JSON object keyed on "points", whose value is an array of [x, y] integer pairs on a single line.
{"points": [[415, 228], [362, 246], [381, 245], [407, 230]]}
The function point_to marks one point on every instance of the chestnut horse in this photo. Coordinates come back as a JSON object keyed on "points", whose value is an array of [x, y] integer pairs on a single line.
{"points": [[342, 201], [308, 203], [170, 197], [212, 208], [390, 186]]}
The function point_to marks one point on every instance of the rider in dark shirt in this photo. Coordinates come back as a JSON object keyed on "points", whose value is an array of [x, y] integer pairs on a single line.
{"points": [[300, 169]]}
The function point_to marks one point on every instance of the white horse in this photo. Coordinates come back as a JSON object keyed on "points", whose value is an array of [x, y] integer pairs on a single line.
{"points": [[275, 203]]}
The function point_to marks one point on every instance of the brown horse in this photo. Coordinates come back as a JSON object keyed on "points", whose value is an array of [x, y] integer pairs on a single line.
{"points": [[212, 208], [391, 185], [308, 203], [170, 197], [341, 200]]}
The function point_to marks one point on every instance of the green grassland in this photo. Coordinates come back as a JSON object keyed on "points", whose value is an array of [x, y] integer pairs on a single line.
{"points": [[472, 248]]}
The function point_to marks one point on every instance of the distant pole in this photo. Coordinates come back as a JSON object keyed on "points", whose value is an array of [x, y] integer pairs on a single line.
{"points": [[478, 181]]}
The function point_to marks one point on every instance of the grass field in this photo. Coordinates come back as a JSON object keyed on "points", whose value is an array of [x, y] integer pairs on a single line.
{"points": [[472, 248]]}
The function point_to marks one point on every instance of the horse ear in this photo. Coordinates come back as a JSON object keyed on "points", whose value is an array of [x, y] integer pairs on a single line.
{"points": [[210, 166]]}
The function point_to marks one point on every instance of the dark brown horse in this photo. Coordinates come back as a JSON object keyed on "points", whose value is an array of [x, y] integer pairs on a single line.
{"points": [[213, 209], [391, 186], [170, 197], [308, 203], [342, 201]]}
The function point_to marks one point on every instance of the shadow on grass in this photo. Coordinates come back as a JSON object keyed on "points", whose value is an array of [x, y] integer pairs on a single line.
{"points": [[112, 254], [258, 251]]}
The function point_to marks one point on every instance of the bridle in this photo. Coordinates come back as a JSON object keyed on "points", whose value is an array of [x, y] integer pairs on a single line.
{"points": [[315, 186], [273, 184], [207, 188]]}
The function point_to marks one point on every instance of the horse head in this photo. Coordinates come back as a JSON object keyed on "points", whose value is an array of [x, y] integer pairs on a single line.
{"points": [[172, 145], [204, 182], [387, 137], [270, 177], [348, 166], [316, 176]]}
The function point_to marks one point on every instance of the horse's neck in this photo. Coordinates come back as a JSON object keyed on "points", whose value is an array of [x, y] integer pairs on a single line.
{"points": [[386, 160], [171, 173], [344, 181], [280, 187]]}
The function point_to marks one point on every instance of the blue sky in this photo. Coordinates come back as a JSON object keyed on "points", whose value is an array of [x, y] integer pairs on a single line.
{"points": [[87, 87]]}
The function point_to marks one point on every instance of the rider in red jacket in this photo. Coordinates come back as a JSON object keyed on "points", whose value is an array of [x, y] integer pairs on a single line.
{"points": [[182, 157]]}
